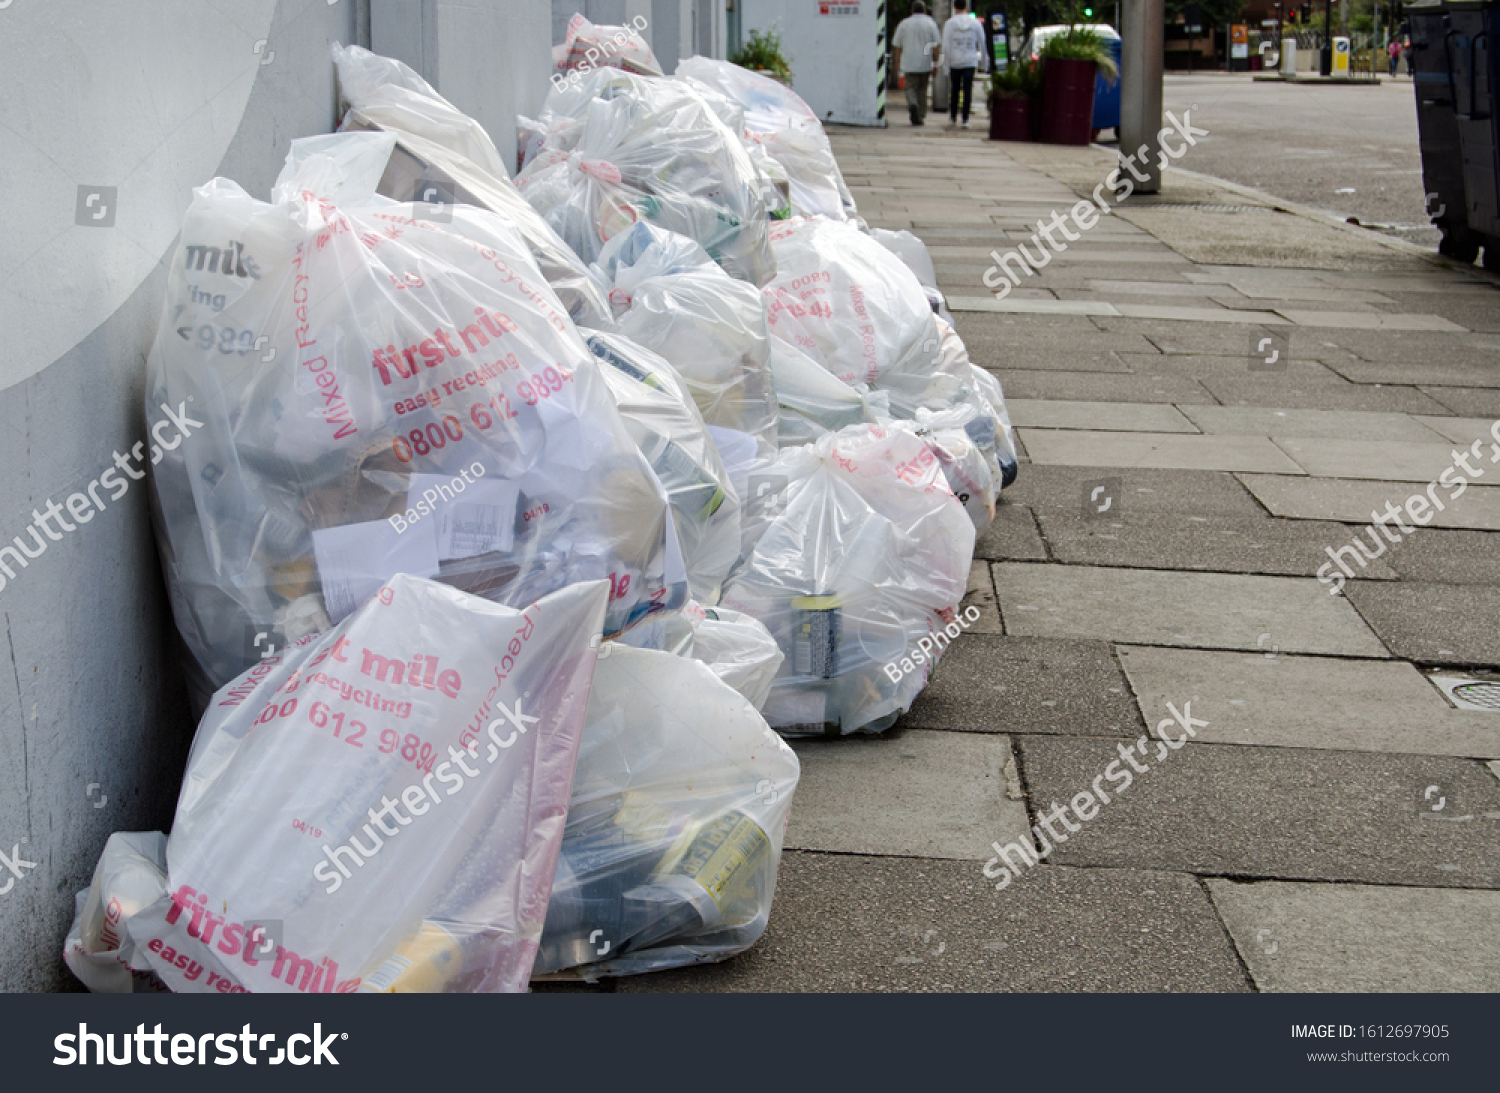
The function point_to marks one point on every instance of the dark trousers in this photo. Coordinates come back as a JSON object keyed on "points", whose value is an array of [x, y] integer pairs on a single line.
{"points": [[916, 96], [960, 86]]}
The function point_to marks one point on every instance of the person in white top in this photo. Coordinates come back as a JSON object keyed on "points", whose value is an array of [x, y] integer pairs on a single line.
{"points": [[963, 53], [913, 47]]}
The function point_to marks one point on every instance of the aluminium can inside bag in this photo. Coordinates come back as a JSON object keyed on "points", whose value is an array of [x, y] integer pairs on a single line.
{"points": [[675, 823], [863, 554], [377, 393]]}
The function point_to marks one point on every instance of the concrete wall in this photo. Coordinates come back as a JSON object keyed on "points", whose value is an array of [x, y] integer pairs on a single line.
{"points": [[147, 99]]}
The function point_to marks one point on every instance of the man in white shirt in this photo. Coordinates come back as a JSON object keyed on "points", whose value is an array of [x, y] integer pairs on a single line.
{"points": [[913, 48], [963, 53]]}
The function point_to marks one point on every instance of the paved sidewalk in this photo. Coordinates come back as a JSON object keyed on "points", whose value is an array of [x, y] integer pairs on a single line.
{"points": [[1336, 823]]}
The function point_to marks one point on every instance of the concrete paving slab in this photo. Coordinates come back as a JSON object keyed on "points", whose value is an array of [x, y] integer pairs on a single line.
{"points": [[1069, 342], [1438, 369], [1176, 287], [1193, 339], [1303, 498], [1285, 813], [980, 595], [1112, 416], [1271, 699], [1196, 610], [1011, 536], [1360, 320], [1200, 315], [1432, 623], [844, 923], [1209, 365], [1310, 424], [1256, 544], [1484, 401], [1329, 938], [1471, 310], [1304, 293], [1181, 493], [1138, 387], [1386, 461], [986, 683], [1463, 431], [1334, 393], [1029, 307], [1160, 450], [1447, 556], [908, 794]]}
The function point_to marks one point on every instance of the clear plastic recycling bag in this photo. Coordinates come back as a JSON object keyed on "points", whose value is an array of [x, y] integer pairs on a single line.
{"points": [[812, 401], [587, 45], [792, 134], [621, 149], [851, 305], [670, 297], [675, 824], [375, 393], [864, 553], [443, 156], [663, 420], [377, 809]]}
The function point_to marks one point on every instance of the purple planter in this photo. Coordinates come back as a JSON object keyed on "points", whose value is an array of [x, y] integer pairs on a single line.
{"points": [[1067, 101]]}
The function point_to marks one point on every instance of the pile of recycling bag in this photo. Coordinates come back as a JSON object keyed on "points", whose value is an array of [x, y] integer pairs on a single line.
{"points": [[524, 521]]}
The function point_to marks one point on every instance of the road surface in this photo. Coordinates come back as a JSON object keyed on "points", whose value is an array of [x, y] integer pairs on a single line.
{"points": [[1351, 151]]}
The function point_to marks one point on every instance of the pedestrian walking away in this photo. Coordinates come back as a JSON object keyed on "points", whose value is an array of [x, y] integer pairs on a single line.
{"points": [[1394, 49], [1411, 62], [914, 47], [963, 52]]}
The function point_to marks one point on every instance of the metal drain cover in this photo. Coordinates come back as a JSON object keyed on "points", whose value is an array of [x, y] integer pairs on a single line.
{"points": [[1470, 694]]}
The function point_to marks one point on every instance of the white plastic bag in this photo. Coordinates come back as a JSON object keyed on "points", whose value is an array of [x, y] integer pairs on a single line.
{"points": [[371, 393], [100, 951], [379, 809], [665, 424], [850, 304], [790, 131], [648, 149], [913, 253], [812, 401], [588, 46], [444, 156], [670, 297], [675, 824], [866, 553]]}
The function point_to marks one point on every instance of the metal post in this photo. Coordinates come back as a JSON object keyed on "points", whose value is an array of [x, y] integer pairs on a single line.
{"points": [[1142, 26]]}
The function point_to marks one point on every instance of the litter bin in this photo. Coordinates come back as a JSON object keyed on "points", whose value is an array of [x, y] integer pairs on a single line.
{"points": [[1472, 85], [1107, 95]]}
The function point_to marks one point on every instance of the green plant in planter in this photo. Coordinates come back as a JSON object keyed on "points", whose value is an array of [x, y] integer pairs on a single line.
{"points": [[1082, 43], [762, 52], [1021, 79]]}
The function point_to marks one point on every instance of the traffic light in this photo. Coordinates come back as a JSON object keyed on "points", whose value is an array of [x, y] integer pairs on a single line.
{"points": [[1088, 13], [1306, 16]]}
